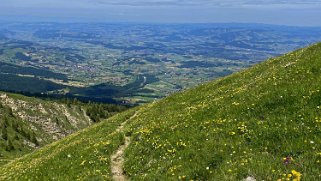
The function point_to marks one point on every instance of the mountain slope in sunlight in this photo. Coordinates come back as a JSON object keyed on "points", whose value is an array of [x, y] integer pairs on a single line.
{"points": [[262, 123]]}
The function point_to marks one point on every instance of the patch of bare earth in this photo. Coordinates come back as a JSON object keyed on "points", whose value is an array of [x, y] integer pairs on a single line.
{"points": [[117, 159]]}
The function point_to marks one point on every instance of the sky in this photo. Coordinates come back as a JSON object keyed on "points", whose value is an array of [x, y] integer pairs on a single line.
{"points": [[282, 12]]}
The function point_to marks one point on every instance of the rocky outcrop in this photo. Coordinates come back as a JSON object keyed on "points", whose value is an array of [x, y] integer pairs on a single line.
{"points": [[53, 119]]}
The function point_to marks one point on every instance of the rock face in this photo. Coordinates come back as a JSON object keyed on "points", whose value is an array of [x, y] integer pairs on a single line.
{"points": [[49, 120]]}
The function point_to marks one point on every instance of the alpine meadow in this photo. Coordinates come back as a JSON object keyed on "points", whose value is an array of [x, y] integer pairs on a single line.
{"points": [[262, 123]]}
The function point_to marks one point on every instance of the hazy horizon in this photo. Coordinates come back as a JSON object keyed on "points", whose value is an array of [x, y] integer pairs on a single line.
{"points": [[286, 12]]}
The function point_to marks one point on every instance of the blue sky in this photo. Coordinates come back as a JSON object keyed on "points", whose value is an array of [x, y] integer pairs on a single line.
{"points": [[285, 12]]}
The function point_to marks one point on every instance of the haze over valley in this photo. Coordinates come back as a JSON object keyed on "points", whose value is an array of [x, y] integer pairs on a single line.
{"points": [[134, 63]]}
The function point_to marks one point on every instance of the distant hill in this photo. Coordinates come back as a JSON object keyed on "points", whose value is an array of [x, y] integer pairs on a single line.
{"points": [[28, 123], [263, 123]]}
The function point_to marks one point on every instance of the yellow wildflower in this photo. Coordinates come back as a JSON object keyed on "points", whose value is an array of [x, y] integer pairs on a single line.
{"points": [[83, 162], [296, 175]]}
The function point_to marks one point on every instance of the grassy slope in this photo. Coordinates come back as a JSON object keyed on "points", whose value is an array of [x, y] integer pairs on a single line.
{"points": [[238, 126], [27, 122], [84, 154]]}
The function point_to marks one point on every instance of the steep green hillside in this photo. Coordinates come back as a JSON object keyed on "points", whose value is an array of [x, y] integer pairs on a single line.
{"points": [[28, 123], [262, 123]]}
